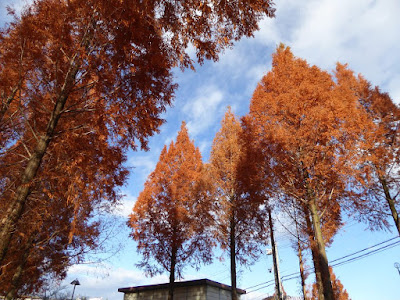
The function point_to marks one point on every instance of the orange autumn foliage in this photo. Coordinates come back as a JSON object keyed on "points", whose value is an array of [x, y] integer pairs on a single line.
{"points": [[380, 167], [339, 291], [99, 68], [307, 126], [239, 220], [73, 183], [171, 217]]}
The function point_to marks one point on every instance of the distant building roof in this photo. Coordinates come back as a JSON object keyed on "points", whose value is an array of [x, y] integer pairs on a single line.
{"points": [[273, 297], [178, 284]]}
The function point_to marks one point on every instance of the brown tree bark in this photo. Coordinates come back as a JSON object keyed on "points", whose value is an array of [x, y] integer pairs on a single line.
{"points": [[232, 249], [172, 274], [301, 264], [302, 274], [16, 208], [314, 253], [391, 203], [321, 256], [16, 279], [274, 256]]}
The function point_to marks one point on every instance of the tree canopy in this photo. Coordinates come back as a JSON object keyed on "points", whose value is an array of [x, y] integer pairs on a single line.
{"points": [[239, 219], [380, 167], [95, 74], [307, 124], [171, 217]]}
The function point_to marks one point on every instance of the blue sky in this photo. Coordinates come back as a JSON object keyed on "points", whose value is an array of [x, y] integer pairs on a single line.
{"points": [[362, 33]]}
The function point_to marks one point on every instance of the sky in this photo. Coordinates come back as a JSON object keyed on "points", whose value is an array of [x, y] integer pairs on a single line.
{"points": [[363, 33]]}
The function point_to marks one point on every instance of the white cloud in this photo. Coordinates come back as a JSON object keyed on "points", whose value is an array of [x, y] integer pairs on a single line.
{"points": [[125, 206], [335, 30], [170, 138], [204, 146], [202, 110], [393, 86], [363, 33], [231, 59], [143, 164], [254, 75], [289, 16], [104, 280]]}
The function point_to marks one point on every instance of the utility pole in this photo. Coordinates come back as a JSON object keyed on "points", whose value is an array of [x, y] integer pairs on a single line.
{"points": [[278, 283]]}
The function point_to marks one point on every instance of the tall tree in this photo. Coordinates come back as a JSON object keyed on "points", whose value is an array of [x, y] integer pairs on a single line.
{"points": [[299, 235], [109, 58], [171, 218], [308, 126], [239, 219], [45, 245], [339, 291], [380, 167]]}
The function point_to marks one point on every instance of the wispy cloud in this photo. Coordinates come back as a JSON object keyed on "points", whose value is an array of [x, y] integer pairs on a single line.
{"points": [[201, 111], [125, 206], [104, 280], [143, 164], [363, 33]]}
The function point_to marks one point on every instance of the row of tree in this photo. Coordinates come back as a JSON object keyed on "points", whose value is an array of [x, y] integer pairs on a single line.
{"points": [[314, 145], [81, 82]]}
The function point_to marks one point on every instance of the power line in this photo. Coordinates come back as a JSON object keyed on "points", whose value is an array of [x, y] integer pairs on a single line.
{"points": [[375, 251], [259, 284], [262, 296], [338, 260], [263, 287], [289, 235], [219, 272], [359, 251], [386, 247]]}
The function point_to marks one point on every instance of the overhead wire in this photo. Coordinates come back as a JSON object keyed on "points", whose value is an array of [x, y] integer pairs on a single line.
{"points": [[386, 247], [288, 235], [367, 248], [346, 226], [338, 260]]}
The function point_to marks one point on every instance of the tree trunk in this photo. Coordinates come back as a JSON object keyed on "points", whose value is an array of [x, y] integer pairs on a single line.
{"points": [[172, 274], [232, 249], [278, 290], [314, 253], [391, 203], [16, 279], [302, 274], [321, 256], [16, 208], [301, 265]]}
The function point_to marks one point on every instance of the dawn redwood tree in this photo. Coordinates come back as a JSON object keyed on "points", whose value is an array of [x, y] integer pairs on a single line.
{"points": [[239, 221], [339, 291], [380, 180], [171, 217], [300, 242], [308, 125], [41, 252], [78, 177], [110, 58], [300, 228]]}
